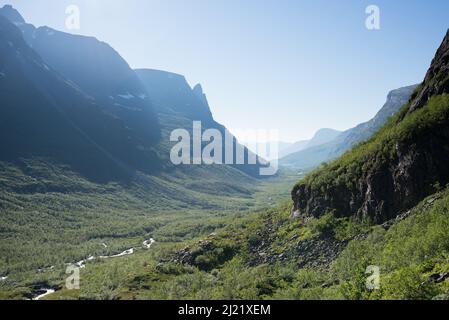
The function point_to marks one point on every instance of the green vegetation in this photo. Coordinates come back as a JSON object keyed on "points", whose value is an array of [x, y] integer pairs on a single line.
{"points": [[218, 240], [242, 256], [371, 155], [227, 263], [228, 244], [51, 216]]}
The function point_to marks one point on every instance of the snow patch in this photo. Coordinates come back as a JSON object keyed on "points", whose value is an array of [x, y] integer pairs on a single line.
{"points": [[125, 107], [126, 96]]}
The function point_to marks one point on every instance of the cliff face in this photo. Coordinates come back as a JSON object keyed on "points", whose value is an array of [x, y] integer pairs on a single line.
{"points": [[403, 163], [437, 78]]}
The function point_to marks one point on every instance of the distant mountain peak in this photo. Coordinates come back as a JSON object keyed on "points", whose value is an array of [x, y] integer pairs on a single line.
{"points": [[172, 90], [326, 131], [323, 136], [12, 14], [198, 89]]}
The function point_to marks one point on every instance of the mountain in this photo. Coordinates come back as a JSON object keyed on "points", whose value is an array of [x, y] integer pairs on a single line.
{"points": [[82, 160], [312, 156], [398, 167], [12, 15], [178, 105], [43, 114], [171, 94], [293, 148], [323, 136], [140, 102], [286, 148], [96, 69]]}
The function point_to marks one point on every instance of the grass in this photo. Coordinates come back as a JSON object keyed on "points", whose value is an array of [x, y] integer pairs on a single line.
{"points": [[407, 255], [51, 216]]}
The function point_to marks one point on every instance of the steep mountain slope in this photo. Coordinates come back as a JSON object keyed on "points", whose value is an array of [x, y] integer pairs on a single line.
{"points": [[43, 114], [171, 94], [178, 105], [98, 70], [315, 155], [403, 163], [72, 173]]}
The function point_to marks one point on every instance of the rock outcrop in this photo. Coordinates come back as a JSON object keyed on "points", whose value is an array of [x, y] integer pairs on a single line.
{"points": [[437, 78]]}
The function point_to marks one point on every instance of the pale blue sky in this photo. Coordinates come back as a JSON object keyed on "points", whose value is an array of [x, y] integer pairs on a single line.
{"points": [[292, 65]]}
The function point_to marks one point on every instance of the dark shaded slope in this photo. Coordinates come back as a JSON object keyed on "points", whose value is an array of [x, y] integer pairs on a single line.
{"points": [[171, 94], [42, 114], [178, 105], [98, 70]]}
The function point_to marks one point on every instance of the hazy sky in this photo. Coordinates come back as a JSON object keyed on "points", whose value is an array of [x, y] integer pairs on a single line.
{"points": [[296, 66]]}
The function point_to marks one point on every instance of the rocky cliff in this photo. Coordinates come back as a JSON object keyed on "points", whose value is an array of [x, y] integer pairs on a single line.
{"points": [[404, 162], [437, 78]]}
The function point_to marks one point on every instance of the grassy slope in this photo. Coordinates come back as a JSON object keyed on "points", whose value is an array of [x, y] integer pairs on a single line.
{"points": [[51, 216], [408, 254]]}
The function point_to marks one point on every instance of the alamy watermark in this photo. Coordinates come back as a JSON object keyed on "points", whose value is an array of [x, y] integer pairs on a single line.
{"points": [[73, 19], [209, 147], [373, 280], [72, 282], [372, 22]]}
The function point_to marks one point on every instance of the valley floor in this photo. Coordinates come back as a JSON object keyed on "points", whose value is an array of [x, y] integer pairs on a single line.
{"points": [[51, 218], [266, 255], [239, 252]]}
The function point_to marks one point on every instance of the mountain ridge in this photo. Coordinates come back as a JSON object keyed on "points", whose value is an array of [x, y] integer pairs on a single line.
{"points": [[390, 173], [28, 116], [314, 156], [96, 69]]}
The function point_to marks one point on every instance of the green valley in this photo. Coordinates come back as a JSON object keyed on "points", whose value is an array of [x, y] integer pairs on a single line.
{"points": [[93, 207]]}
